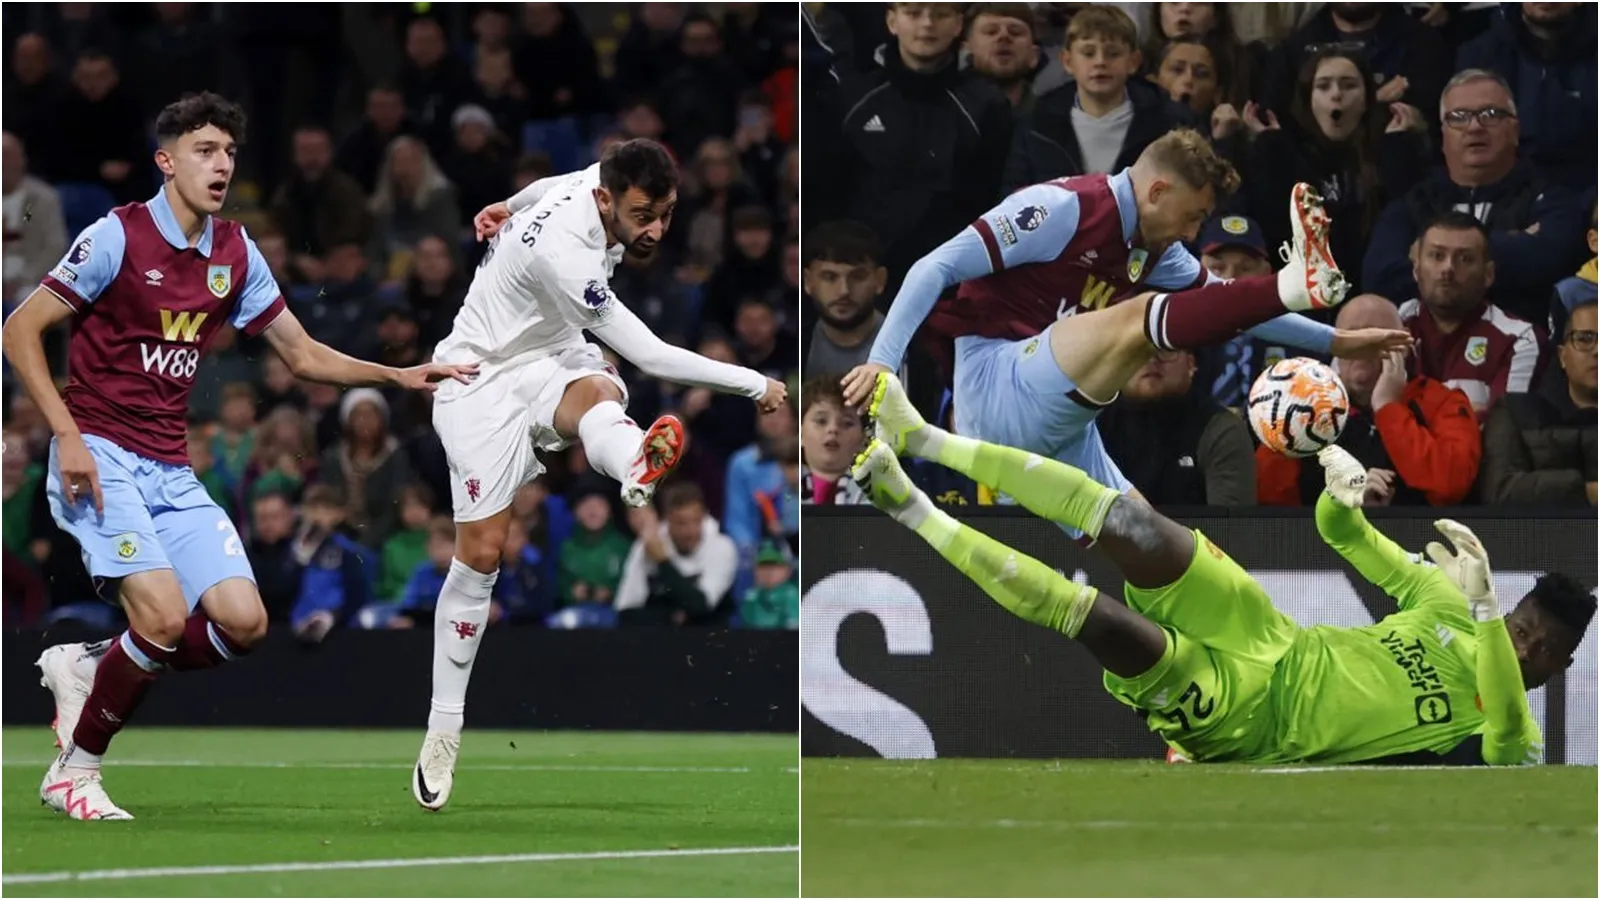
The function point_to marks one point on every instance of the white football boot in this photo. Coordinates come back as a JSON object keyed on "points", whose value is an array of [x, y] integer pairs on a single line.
{"points": [[68, 671], [1310, 279], [435, 773], [77, 792]]}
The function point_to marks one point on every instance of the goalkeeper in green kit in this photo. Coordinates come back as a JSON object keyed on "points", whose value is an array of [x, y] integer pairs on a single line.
{"points": [[1198, 648]]}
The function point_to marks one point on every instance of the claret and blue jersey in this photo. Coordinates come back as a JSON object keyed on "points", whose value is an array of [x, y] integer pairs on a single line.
{"points": [[146, 306]]}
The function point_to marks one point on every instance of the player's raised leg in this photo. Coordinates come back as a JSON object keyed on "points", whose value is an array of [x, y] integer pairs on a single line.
{"points": [[592, 410]]}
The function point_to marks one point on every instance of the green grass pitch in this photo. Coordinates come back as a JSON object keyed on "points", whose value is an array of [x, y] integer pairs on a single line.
{"points": [[330, 813], [953, 828]]}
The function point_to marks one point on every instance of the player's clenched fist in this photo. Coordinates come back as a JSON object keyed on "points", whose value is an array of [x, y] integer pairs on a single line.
{"points": [[859, 382], [1468, 567], [486, 224], [777, 393], [79, 477]]}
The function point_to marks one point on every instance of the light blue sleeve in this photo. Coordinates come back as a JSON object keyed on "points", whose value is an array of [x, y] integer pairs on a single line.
{"points": [[92, 263], [260, 288], [1031, 226], [1176, 270], [1296, 330]]}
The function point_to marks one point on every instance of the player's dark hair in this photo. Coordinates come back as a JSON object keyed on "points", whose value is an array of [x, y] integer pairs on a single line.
{"points": [[1456, 220], [1566, 600], [196, 111], [640, 163], [842, 241]]}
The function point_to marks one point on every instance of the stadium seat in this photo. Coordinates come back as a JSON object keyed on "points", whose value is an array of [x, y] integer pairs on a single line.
{"points": [[82, 203]]}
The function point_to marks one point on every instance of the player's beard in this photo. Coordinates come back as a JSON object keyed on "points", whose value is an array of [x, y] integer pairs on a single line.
{"points": [[630, 245]]}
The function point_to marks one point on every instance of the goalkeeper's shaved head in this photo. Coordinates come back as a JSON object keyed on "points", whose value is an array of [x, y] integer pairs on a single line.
{"points": [[1548, 625]]}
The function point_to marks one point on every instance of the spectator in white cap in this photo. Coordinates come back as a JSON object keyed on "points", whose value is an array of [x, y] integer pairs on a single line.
{"points": [[366, 465], [479, 162]]}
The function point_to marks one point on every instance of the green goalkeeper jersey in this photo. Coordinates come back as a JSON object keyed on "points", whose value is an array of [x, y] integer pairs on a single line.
{"points": [[1426, 678]]}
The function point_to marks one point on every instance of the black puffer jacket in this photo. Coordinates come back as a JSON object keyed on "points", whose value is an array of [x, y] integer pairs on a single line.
{"points": [[1538, 449]]}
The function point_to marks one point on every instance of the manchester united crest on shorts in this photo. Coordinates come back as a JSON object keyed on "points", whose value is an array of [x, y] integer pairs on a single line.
{"points": [[473, 489], [219, 279]]}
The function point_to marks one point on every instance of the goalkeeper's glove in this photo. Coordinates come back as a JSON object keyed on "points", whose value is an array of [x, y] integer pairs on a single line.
{"points": [[1347, 477], [1467, 568]]}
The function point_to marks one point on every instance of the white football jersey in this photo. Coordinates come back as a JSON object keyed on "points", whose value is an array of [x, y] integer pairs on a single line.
{"points": [[542, 282]]}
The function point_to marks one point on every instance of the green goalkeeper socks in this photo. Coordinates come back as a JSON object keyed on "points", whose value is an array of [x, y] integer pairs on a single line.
{"points": [[1047, 488], [1028, 588]]}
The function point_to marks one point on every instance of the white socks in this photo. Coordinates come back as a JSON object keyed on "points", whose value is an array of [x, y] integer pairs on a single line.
{"points": [[458, 622], [611, 440]]}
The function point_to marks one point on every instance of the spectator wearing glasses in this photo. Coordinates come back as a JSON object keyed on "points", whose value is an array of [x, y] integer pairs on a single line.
{"points": [[1540, 448], [1546, 51], [1535, 230], [1407, 58]]}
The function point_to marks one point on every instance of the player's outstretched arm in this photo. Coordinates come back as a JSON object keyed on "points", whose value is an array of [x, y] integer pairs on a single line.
{"points": [[1343, 527], [625, 333], [1033, 225], [1512, 736], [315, 361]]}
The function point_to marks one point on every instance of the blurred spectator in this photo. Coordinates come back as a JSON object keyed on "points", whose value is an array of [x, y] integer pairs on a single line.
{"points": [[318, 207], [1418, 438], [342, 312], [406, 548], [1464, 340], [234, 443], [722, 423], [363, 151], [33, 89], [479, 162], [414, 200], [77, 28], [432, 81], [435, 290], [202, 461], [285, 456], [20, 479], [98, 136], [524, 588], [1575, 291], [679, 571], [178, 54], [756, 477], [1103, 119], [556, 63], [1232, 247], [761, 152], [365, 467], [27, 597], [831, 435], [592, 558], [1356, 152], [650, 48], [699, 97], [275, 250], [271, 551], [421, 594], [1540, 448], [1534, 230], [1546, 53], [1235, 66], [496, 89], [773, 602], [749, 268], [922, 149], [35, 232], [336, 580], [1175, 443], [1184, 68], [843, 277], [398, 332], [720, 188], [762, 345], [491, 25], [999, 40], [1408, 59]]}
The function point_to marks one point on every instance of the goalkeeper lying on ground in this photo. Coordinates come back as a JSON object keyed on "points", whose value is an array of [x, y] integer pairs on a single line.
{"points": [[1199, 649]]}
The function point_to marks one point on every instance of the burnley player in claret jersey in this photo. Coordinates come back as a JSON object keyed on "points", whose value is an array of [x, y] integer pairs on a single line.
{"points": [[1052, 300], [147, 289]]}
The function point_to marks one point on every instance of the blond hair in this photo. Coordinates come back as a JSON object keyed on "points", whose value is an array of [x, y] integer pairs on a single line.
{"points": [[1187, 154]]}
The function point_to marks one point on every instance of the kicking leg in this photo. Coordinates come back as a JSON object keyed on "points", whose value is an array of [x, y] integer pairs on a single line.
{"points": [[591, 410], [1125, 643]]}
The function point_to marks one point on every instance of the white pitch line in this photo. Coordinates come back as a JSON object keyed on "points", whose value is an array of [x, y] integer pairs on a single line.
{"points": [[1301, 770], [1209, 824], [354, 864], [486, 767]]}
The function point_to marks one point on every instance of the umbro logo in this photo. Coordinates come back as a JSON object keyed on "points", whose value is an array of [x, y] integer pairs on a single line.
{"points": [[874, 124], [153, 277], [1089, 257]]}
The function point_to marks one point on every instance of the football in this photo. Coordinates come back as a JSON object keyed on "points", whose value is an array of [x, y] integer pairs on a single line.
{"points": [[1298, 406]]}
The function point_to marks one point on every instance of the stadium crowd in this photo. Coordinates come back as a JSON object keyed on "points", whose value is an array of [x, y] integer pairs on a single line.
{"points": [[1454, 145], [377, 132]]}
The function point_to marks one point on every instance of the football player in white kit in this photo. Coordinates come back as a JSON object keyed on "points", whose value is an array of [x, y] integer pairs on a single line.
{"points": [[540, 386]]}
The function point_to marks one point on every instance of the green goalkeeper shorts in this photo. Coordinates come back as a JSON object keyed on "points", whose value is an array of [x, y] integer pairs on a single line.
{"points": [[1224, 637]]}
